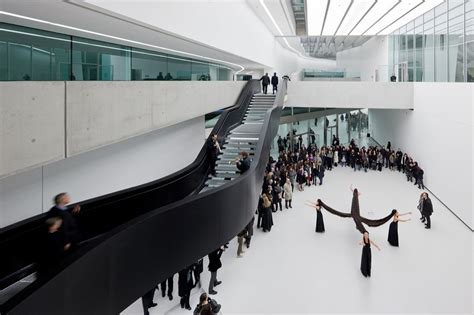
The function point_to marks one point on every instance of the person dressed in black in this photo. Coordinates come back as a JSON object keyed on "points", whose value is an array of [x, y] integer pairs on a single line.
{"points": [[393, 78], [319, 216], [170, 287], [319, 220], [243, 164], [366, 261], [160, 76], [275, 83], [207, 306], [249, 228], [185, 285], [321, 174], [168, 77], [267, 217], [69, 227], [426, 210], [198, 268], [265, 82], [147, 301], [214, 265], [393, 228], [55, 247], [213, 150]]}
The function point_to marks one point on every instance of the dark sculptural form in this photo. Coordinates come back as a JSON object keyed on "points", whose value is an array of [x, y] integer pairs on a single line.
{"points": [[355, 214]]}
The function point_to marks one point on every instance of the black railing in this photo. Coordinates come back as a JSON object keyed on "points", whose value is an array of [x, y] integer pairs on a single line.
{"points": [[119, 265]]}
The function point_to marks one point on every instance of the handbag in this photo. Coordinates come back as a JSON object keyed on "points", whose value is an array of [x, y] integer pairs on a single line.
{"points": [[216, 307]]}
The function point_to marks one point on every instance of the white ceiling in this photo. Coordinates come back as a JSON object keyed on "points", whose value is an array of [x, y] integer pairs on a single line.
{"points": [[362, 17], [78, 18]]}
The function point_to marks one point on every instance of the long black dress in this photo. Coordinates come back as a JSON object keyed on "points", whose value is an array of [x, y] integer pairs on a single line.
{"points": [[393, 233], [366, 261], [319, 222], [267, 220]]}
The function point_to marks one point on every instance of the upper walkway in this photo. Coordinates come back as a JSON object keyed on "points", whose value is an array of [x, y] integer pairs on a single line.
{"points": [[48, 121], [330, 94]]}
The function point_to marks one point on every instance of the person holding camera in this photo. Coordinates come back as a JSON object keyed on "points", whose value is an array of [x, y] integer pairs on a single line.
{"points": [[243, 163], [213, 149], [206, 306]]}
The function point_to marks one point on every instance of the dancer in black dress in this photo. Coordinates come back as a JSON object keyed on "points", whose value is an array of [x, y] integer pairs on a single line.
{"points": [[366, 260], [319, 217], [393, 229]]}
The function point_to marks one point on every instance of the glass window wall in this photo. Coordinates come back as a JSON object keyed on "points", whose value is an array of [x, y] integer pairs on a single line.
{"points": [[30, 54], [437, 46], [27, 54], [469, 62]]}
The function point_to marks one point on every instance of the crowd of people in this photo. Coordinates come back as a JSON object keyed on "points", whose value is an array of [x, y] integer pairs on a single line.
{"points": [[306, 165], [296, 166]]}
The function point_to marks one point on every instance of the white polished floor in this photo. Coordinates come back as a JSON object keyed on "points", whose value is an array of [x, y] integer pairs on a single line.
{"points": [[292, 269]]}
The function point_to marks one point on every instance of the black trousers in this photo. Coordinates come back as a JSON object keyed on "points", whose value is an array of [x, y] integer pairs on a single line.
{"points": [[277, 203], [428, 221], [212, 162], [421, 185], [275, 88], [265, 87], [184, 302], [147, 300], [170, 287]]}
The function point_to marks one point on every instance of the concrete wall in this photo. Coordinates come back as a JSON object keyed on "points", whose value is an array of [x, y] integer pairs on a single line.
{"points": [[439, 135], [95, 114], [372, 56], [108, 169], [350, 94], [31, 124]]}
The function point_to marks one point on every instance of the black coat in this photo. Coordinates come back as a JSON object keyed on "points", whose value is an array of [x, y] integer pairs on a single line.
{"points": [[185, 281], [53, 251], [69, 226], [243, 165], [211, 148], [215, 260], [427, 207], [274, 80], [265, 80]]}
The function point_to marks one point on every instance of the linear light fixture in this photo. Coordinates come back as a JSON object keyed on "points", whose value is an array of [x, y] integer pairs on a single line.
{"points": [[363, 17], [122, 39]]}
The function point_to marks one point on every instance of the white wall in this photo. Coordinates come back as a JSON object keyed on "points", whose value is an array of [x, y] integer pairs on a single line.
{"points": [[438, 133], [366, 59], [111, 168], [333, 94]]}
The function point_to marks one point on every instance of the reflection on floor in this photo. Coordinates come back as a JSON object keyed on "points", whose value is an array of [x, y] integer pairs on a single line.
{"points": [[294, 270]]}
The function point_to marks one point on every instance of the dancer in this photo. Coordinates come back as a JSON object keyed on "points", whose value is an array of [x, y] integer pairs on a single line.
{"points": [[366, 260], [355, 213], [319, 216], [393, 229]]}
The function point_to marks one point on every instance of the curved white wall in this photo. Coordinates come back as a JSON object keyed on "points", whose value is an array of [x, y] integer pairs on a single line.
{"points": [[118, 166]]}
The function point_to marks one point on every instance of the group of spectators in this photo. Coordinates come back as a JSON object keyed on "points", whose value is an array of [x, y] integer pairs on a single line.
{"points": [[305, 166]]}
